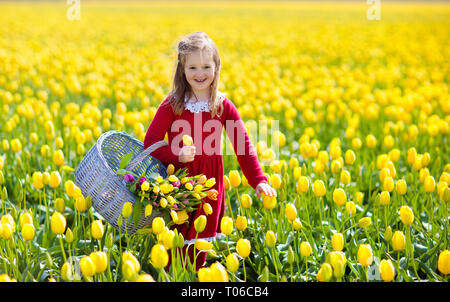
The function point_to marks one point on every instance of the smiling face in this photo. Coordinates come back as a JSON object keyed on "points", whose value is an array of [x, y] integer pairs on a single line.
{"points": [[200, 70]]}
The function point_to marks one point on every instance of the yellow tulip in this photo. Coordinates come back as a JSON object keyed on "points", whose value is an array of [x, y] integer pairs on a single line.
{"points": [[401, 187], [365, 255], [387, 270], [319, 188], [148, 210], [204, 274], [69, 187], [429, 184], [303, 184], [158, 225], [87, 266], [388, 184], [226, 225], [37, 180], [127, 209], [28, 231], [203, 245], [291, 212], [100, 260], [305, 249], [60, 205], [241, 223], [159, 256], [297, 224], [345, 177], [325, 272], [275, 181], [97, 229], [269, 202], [371, 141], [339, 197], [385, 198], [58, 223], [187, 140], [145, 278], [350, 157], [350, 207], [246, 201], [200, 223], [444, 262], [398, 241], [232, 262], [235, 178], [16, 145], [364, 222], [218, 273], [55, 179], [406, 215], [271, 239], [243, 247], [337, 241], [58, 157], [25, 218]]}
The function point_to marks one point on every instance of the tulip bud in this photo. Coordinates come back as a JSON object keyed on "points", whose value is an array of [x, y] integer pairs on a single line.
{"points": [[55, 179], [207, 208], [401, 187], [291, 212], [97, 229], [28, 231], [232, 262], [364, 222], [444, 262], [269, 202], [100, 260], [388, 234], [218, 273], [406, 215], [271, 239], [387, 270], [337, 241], [235, 178], [241, 223], [365, 255], [127, 209], [87, 266], [243, 247], [319, 188], [339, 196], [429, 184], [158, 225], [159, 256], [305, 249], [200, 223], [226, 225], [325, 273], [58, 223], [398, 241], [385, 198]]}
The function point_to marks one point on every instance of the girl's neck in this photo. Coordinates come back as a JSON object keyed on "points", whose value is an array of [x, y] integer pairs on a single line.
{"points": [[199, 96]]}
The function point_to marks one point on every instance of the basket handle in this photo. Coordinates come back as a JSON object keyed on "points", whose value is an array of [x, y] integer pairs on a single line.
{"points": [[146, 152]]}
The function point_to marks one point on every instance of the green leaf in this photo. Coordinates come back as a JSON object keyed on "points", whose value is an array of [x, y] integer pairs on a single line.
{"points": [[137, 212], [125, 160]]}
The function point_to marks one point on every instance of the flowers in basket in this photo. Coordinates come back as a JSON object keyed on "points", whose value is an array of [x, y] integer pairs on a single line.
{"points": [[173, 196]]}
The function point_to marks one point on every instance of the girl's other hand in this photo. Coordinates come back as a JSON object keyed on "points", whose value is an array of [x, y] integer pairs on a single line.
{"points": [[187, 154], [266, 189]]}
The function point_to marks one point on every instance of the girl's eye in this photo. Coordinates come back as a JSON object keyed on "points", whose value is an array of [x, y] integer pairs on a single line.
{"points": [[192, 68]]}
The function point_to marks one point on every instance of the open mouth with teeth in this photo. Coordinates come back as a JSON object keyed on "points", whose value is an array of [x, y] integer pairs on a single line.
{"points": [[200, 81]]}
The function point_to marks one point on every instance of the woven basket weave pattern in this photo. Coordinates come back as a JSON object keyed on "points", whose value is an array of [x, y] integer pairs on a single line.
{"points": [[96, 176]]}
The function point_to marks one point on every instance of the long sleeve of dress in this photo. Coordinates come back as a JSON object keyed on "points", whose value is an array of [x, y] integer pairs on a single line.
{"points": [[157, 130], [243, 147]]}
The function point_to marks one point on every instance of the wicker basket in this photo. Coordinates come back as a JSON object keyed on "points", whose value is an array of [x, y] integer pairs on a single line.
{"points": [[96, 175]]}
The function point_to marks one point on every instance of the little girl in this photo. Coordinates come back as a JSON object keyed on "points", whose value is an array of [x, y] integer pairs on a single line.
{"points": [[196, 108]]}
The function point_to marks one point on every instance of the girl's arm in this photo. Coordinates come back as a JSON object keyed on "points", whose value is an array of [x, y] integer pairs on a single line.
{"points": [[243, 147], [156, 132]]}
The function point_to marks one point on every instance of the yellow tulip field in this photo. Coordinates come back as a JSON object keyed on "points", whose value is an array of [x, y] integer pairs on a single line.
{"points": [[359, 157]]}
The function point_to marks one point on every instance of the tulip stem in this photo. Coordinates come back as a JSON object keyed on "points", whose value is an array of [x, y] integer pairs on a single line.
{"points": [[62, 247]]}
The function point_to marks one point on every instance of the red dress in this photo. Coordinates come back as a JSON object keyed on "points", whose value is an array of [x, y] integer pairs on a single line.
{"points": [[207, 136]]}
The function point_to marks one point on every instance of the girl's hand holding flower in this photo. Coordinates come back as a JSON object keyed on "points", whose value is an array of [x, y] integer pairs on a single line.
{"points": [[266, 189], [187, 154]]}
